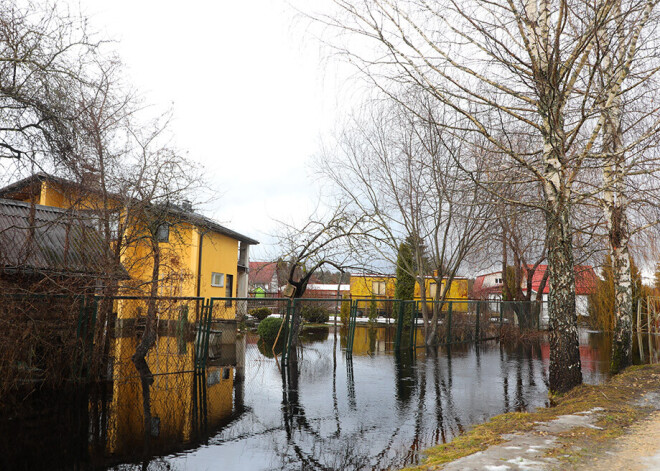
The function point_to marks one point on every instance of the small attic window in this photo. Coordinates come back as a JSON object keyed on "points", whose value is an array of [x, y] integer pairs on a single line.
{"points": [[163, 233]]}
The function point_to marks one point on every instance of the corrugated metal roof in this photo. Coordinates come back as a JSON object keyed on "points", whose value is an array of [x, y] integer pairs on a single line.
{"points": [[37, 238], [176, 211]]}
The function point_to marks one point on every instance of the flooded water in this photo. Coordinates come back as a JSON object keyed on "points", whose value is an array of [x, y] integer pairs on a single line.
{"points": [[374, 410]]}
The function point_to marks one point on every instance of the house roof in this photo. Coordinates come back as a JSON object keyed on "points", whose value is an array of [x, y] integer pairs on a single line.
{"points": [[27, 187], [203, 221], [478, 289], [35, 238], [585, 279], [261, 272]]}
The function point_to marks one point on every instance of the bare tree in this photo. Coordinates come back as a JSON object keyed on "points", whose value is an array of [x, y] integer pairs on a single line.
{"points": [[44, 54], [400, 172], [626, 74], [327, 240], [511, 67]]}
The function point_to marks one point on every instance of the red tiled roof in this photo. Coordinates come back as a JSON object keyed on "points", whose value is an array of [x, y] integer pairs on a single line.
{"points": [[261, 272], [478, 290], [585, 279]]}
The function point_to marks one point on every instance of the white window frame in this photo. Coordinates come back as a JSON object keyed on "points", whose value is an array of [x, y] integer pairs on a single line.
{"points": [[214, 283], [376, 288]]}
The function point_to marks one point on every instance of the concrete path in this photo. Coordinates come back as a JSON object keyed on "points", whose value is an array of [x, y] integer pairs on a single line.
{"points": [[525, 451]]}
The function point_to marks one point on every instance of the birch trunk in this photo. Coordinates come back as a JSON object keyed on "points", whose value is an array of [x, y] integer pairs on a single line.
{"points": [[565, 367], [615, 214], [614, 198]]}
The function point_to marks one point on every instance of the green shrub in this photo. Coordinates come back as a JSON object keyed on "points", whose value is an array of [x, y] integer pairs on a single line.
{"points": [[260, 313], [345, 311], [268, 329], [315, 314]]}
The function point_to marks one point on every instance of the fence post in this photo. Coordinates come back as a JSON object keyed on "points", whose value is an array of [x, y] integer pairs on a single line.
{"points": [[399, 327], [94, 312], [501, 315], [413, 320], [449, 322], [476, 332], [351, 327], [203, 332]]}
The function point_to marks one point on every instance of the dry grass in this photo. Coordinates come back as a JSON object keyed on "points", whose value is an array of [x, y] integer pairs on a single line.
{"points": [[619, 398]]}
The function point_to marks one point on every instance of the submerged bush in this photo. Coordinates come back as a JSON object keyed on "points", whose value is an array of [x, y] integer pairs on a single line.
{"points": [[260, 313], [268, 329], [315, 314]]}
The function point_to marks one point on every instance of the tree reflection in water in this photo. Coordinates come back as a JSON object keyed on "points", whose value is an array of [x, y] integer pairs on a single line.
{"points": [[372, 410]]}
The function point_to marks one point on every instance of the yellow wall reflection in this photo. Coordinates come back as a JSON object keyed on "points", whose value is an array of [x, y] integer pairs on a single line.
{"points": [[181, 403]]}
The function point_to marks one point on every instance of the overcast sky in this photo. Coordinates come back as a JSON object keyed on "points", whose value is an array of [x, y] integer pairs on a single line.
{"points": [[251, 94]]}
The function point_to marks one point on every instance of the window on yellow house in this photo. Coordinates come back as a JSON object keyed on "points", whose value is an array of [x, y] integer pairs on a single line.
{"points": [[163, 233], [217, 279], [378, 288], [433, 289]]}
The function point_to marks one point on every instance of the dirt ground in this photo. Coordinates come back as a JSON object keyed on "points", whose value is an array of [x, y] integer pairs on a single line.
{"points": [[637, 449]]}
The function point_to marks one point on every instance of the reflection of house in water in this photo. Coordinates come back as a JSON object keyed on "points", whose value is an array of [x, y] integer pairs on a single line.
{"points": [[184, 404], [371, 339]]}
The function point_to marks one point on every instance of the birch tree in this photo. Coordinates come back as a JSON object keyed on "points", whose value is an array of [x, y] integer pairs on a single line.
{"points": [[623, 70]]}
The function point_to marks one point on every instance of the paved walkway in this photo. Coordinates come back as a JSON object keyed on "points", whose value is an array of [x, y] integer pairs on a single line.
{"points": [[638, 449], [525, 451]]}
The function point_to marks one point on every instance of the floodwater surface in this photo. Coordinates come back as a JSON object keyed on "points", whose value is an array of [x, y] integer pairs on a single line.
{"points": [[370, 410]]}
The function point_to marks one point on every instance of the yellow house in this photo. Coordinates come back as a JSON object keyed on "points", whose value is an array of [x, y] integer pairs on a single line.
{"points": [[199, 257], [366, 286]]}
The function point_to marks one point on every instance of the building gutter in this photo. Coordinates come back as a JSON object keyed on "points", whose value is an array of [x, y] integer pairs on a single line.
{"points": [[199, 263]]}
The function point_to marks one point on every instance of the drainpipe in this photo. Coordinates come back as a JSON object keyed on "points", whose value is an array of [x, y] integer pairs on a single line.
{"points": [[199, 263]]}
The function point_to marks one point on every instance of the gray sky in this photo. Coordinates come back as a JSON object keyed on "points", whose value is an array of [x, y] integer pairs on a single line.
{"points": [[250, 92]]}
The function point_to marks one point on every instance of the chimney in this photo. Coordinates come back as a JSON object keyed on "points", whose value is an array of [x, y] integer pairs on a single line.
{"points": [[187, 205]]}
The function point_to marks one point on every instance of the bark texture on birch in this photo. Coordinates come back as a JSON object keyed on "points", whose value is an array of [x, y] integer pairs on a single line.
{"points": [[565, 366]]}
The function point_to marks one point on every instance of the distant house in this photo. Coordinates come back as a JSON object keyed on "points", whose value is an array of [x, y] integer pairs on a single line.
{"points": [[490, 286], [263, 277], [44, 248], [365, 286]]}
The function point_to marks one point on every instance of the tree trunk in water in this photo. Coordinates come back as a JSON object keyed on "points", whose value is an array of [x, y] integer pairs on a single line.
{"points": [[296, 325], [147, 342]]}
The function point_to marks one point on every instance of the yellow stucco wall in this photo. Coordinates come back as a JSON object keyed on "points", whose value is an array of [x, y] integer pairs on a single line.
{"points": [[362, 285]]}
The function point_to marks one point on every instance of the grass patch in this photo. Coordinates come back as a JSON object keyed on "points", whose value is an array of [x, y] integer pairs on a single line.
{"points": [[619, 397]]}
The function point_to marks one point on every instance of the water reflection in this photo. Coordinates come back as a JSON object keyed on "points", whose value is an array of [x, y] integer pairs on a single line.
{"points": [[372, 410]]}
